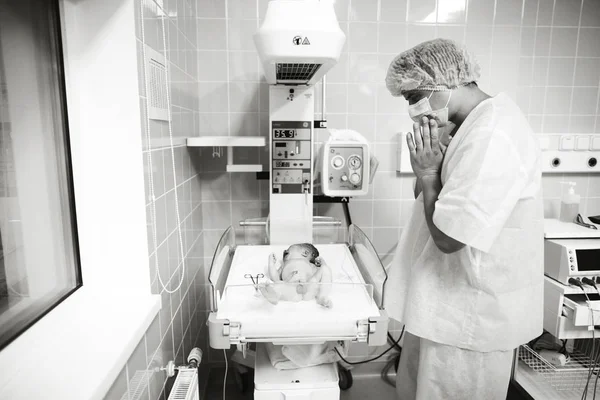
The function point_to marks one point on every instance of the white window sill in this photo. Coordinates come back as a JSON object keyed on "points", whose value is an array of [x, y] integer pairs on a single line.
{"points": [[78, 349]]}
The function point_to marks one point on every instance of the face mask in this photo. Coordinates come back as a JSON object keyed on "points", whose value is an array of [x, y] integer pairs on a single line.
{"points": [[423, 108]]}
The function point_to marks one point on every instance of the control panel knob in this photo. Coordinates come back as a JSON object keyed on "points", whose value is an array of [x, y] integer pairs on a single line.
{"points": [[344, 178], [354, 162], [337, 162], [354, 178]]}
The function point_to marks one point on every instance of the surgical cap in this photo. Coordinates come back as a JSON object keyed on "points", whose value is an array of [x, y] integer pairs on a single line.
{"points": [[437, 65]]}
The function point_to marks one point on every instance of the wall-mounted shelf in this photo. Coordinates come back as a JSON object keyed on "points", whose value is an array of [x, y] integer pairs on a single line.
{"points": [[230, 142], [244, 168], [166, 142], [227, 141]]}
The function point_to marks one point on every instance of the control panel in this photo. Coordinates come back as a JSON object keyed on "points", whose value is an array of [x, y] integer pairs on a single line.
{"points": [[291, 157], [571, 258], [345, 170]]}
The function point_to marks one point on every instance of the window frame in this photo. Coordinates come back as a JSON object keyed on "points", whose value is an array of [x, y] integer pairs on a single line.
{"points": [[107, 317], [63, 146]]}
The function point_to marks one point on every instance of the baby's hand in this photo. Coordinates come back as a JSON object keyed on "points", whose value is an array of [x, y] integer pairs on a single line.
{"points": [[272, 271], [272, 259], [325, 301], [319, 261]]}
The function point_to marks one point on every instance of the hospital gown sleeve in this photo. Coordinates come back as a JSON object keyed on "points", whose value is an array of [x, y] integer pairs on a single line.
{"points": [[484, 181]]}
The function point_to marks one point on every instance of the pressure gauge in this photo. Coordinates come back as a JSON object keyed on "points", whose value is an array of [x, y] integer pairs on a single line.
{"points": [[354, 162]]}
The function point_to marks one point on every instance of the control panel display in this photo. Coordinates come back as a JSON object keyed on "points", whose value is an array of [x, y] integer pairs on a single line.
{"points": [[284, 133], [587, 260], [291, 155]]}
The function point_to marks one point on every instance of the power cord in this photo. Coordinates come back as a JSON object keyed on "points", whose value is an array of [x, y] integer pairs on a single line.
{"points": [[372, 359], [396, 345], [593, 359], [597, 373], [392, 363], [226, 370], [591, 282], [578, 283], [347, 213]]}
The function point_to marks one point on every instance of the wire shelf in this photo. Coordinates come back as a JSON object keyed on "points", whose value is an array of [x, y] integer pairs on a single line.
{"points": [[573, 376]]}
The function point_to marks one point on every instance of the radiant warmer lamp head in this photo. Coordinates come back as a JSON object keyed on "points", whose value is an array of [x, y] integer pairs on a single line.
{"points": [[299, 41]]}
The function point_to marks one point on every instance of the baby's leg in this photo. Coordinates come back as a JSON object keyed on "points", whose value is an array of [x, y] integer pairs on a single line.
{"points": [[270, 292], [312, 287], [280, 291]]}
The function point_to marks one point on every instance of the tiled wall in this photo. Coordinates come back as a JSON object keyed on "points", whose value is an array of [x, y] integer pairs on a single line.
{"points": [[544, 53], [180, 324]]}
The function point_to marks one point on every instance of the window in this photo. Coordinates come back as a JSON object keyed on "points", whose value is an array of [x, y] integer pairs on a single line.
{"points": [[39, 261]]}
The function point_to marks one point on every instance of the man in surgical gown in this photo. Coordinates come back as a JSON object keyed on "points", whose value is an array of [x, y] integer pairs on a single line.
{"points": [[467, 278]]}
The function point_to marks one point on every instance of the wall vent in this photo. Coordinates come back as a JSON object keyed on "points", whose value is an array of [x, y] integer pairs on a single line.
{"points": [[156, 76], [296, 72]]}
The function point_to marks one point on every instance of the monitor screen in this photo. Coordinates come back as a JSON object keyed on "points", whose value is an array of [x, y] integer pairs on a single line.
{"points": [[588, 260]]}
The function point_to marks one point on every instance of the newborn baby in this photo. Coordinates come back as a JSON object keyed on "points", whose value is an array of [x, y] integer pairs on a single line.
{"points": [[301, 270]]}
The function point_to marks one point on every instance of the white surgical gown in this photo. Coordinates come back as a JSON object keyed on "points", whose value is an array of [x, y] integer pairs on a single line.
{"points": [[488, 295], [430, 370]]}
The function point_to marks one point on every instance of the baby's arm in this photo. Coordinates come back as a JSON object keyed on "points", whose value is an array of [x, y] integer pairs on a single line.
{"points": [[269, 290], [273, 271]]}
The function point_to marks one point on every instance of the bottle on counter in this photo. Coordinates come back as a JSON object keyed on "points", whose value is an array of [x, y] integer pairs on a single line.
{"points": [[569, 204]]}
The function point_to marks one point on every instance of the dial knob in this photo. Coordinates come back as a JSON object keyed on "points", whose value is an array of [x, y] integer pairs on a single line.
{"points": [[354, 162], [354, 178], [337, 162], [344, 178]]}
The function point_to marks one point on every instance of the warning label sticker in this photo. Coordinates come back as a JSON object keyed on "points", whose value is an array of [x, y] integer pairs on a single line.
{"points": [[300, 40]]}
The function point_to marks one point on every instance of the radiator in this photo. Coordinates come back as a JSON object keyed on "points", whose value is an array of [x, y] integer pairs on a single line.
{"points": [[186, 385]]}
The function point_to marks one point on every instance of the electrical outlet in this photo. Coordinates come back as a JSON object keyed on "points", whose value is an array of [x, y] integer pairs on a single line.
{"points": [[582, 143], [567, 142], [544, 142]]}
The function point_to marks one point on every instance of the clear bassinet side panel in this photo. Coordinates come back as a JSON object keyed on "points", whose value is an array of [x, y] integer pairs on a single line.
{"points": [[326, 230], [345, 297], [220, 266], [254, 231], [305, 313], [368, 262]]}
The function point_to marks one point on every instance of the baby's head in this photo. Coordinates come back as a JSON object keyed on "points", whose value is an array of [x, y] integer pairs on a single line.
{"points": [[298, 262], [301, 250]]}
